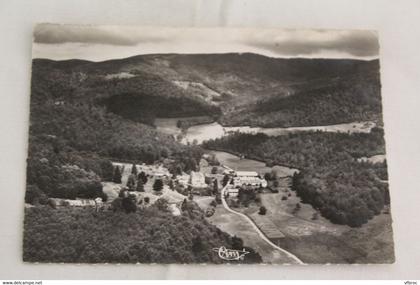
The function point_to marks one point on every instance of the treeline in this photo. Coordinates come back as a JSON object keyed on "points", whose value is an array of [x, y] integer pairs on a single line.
{"points": [[83, 135], [150, 235], [63, 173], [185, 123], [145, 108], [68, 130], [331, 179], [345, 100], [87, 127], [141, 98]]}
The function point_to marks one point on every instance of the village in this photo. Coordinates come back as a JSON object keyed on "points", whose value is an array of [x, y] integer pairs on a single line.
{"points": [[146, 184]]}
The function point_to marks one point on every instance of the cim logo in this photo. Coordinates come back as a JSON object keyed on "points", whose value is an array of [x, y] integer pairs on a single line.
{"points": [[230, 254]]}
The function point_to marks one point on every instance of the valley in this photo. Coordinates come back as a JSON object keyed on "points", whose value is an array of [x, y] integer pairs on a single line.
{"points": [[302, 139]]}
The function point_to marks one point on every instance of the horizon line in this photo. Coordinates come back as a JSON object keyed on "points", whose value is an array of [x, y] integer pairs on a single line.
{"points": [[215, 53]]}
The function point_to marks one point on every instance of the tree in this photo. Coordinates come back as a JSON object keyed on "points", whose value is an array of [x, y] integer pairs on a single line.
{"points": [[162, 204], [134, 169], [129, 204], [140, 186], [184, 205], [197, 245], [214, 170], [34, 195], [117, 175], [215, 187], [143, 177], [262, 211], [226, 179], [218, 198], [140, 252], [171, 185], [116, 205], [237, 243], [52, 203], [131, 182], [252, 257], [103, 196], [267, 176], [297, 208], [158, 185], [123, 193]]}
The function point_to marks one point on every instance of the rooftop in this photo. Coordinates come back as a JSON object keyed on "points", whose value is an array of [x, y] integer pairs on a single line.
{"points": [[246, 173]]}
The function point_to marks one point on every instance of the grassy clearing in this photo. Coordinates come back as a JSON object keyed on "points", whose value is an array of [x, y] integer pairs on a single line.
{"points": [[320, 241], [235, 225]]}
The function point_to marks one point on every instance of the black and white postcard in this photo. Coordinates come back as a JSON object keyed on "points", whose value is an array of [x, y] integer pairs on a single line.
{"points": [[206, 146]]}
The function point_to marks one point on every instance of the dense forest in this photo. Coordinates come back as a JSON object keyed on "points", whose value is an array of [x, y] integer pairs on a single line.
{"points": [[341, 101], [140, 97], [150, 235], [235, 89], [72, 140], [331, 179]]}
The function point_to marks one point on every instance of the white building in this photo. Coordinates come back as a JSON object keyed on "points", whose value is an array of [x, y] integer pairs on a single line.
{"points": [[232, 192], [248, 178], [183, 179], [157, 171], [197, 180]]}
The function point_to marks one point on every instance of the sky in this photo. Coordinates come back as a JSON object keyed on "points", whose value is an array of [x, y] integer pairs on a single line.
{"points": [[98, 43]]}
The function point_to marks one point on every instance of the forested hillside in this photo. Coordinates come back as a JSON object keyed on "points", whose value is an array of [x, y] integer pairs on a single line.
{"points": [[150, 235], [236, 89], [331, 179], [69, 129], [318, 104]]}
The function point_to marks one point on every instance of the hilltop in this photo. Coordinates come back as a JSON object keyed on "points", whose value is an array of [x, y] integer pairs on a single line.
{"points": [[233, 88]]}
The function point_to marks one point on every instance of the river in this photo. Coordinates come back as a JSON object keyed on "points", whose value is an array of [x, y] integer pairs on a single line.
{"points": [[200, 133]]}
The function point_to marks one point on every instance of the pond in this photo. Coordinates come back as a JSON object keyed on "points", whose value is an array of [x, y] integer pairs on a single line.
{"points": [[214, 130]]}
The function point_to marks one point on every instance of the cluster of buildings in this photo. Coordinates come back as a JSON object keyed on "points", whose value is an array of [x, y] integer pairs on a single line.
{"points": [[198, 180], [249, 179], [157, 171], [194, 179]]}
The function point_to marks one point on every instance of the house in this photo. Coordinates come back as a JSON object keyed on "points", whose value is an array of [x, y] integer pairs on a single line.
{"points": [[183, 179], [232, 192], [197, 180], [248, 178], [74, 203], [157, 171]]}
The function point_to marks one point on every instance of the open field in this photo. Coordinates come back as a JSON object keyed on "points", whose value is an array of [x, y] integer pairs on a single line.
{"points": [[354, 127], [235, 225], [244, 164], [320, 241]]}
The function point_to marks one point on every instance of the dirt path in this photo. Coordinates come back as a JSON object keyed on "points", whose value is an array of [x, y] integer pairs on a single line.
{"points": [[255, 238]]}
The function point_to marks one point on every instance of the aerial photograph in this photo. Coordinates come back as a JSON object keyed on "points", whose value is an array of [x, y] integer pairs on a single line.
{"points": [[206, 146]]}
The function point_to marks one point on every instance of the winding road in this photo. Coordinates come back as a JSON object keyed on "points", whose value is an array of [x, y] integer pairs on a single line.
{"points": [[292, 257]]}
